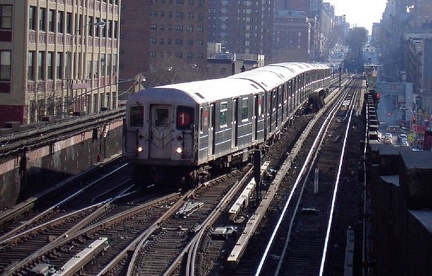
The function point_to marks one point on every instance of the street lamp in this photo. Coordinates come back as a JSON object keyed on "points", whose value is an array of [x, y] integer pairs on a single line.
{"points": [[71, 60]]}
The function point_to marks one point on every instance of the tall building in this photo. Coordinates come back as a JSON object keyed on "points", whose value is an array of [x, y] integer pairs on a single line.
{"points": [[164, 41], [291, 41], [422, 14], [243, 27], [320, 18], [58, 58]]}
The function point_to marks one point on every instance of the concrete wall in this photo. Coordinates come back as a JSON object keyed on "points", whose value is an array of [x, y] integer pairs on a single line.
{"points": [[32, 170]]}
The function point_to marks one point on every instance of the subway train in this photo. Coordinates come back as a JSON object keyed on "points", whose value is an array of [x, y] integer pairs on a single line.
{"points": [[179, 133]]}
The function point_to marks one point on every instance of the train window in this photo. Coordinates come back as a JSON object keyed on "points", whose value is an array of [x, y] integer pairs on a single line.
{"points": [[161, 117], [136, 116], [245, 108], [223, 114], [259, 105], [204, 118], [185, 117]]}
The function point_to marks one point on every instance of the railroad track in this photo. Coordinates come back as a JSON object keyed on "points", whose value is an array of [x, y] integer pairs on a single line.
{"points": [[248, 263], [158, 238], [43, 227]]}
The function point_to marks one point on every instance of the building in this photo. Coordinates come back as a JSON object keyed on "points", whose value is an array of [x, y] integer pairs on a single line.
{"points": [[320, 17], [165, 41], [243, 27], [58, 58], [292, 32]]}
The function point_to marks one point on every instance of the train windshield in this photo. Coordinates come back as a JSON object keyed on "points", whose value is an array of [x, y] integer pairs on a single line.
{"points": [[136, 116]]}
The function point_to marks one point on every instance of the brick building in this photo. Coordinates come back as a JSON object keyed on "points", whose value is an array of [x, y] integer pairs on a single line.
{"points": [[243, 27], [165, 41]]}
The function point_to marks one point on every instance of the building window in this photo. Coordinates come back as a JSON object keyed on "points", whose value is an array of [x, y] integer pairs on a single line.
{"points": [[32, 18], [200, 56], [200, 29], [30, 65], [161, 41], [200, 42], [5, 65], [189, 55], [190, 29], [179, 28], [109, 64], [179, 41], [152, 55], [162, 27], [6, 16], [51, 21], [190, 42], [60, 22], [153, 27], [115, 28], [103, 64], [179, 55], [114, 64], [50, 63], [59, 62], [152, 41], [162, 13], [179, 15], [42, 24], [109, 28], [41, 63], [69, 23], [153, 13]]}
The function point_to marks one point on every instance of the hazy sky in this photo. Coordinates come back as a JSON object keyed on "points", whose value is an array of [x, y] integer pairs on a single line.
{"points": [[360, 13]]}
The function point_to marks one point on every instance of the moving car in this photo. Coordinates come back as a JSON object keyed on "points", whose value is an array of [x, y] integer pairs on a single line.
{"points": [[388, 138]]}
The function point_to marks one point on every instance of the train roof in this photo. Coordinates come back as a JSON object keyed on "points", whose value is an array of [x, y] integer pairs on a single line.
{"points": [[197, 91], [273, 75]]}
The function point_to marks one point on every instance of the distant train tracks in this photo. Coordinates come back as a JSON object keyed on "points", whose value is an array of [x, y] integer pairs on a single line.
{"points": [[302, 211]]}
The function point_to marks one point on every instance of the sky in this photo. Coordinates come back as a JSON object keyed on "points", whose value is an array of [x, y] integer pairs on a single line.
{"points": [[360, 13]]}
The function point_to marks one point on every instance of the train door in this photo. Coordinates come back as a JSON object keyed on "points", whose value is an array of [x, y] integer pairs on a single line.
{"points": [[234, 130], [211, 130], [161, 131], [259, 120]]}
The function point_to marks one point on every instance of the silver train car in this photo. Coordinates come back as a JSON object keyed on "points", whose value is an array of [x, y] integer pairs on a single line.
{"points": [[182, 131]]}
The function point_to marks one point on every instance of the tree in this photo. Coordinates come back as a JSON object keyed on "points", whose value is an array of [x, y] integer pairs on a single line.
{"points": [[356, 39]]}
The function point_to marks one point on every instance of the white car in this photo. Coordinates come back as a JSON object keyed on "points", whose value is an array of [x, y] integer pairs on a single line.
{"points": [[404, 142], [388, 138]]}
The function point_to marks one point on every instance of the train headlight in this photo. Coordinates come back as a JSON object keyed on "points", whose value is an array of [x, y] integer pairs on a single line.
{"points": [[140, 149], [179, 150]]}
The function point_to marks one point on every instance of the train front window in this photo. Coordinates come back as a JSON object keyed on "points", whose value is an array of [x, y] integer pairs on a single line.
{"points": [[161, 117], [136, 116]]}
